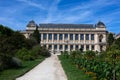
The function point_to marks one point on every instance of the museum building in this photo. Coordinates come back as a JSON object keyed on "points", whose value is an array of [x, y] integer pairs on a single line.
{"points": [[69, 37]]}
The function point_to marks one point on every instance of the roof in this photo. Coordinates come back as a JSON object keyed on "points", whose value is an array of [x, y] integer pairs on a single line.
{"points": [[100, 25], [31, 24], [66, 26]]}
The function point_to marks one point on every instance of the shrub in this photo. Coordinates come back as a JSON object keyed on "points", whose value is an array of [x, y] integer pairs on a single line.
{"points": [[24, 54], [15, 62]]}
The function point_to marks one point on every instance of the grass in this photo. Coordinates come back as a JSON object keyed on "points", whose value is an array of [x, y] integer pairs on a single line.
{"points": [[72, 72], [11, 74]]}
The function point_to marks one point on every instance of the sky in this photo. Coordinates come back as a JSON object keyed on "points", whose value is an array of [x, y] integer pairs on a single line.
{"points": [[17, 13]]}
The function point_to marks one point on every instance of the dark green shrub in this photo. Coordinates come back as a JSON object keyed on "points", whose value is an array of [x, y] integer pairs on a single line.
{"points": [[15, 62], [24, 54]]}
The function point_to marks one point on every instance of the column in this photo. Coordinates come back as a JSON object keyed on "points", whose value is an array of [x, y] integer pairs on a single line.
{"points": [[52, 37], [68, 37], [90, 37], [52, 48], [97, 47], [78, 37], [79, 46], [63, 47], [41, 36], [74, 47], [63, 37], [68, 47], [84, 48], [73, 36], [57, 37], [90, 47], [58, 48], [47, 37], [47, 46]]}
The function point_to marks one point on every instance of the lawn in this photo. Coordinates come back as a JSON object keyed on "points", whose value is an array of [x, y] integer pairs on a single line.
{"points": [[11, 74], [72, 72]]}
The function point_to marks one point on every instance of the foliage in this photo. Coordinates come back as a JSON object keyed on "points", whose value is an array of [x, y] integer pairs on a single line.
{"points": [[104, 66], [72, 72], [24, 54], [15, 62], [36, 35], [110, 39], [117, 43], [5, 31], [35, 53]]}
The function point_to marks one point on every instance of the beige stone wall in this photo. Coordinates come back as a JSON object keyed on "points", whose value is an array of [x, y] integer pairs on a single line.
{"points": [[95, 42]]}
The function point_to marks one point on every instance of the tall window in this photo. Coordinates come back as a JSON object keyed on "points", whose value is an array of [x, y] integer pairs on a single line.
{"points": [[93, 47], [87, 47], [60, 47], [50, 47], [87, 36], [66, 36], [92, 36], [44, 46], [71, 47], [44, 36], [60, 37], [81, 36], [76, 36], [82, 47], [55, 36], [66, 47], [55, 47], [71, 36], [50, 36], [76, 47]]}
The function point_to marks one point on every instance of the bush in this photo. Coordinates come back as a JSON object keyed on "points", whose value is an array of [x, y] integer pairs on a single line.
{"points": [[24, 54], [15, 62], [44, 52]]}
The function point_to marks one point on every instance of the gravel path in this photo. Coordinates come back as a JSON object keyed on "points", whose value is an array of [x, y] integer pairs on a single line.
{"points": [[49, 69]]}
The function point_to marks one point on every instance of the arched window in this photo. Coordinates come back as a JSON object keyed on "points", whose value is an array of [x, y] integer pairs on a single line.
{"points": [[100, 38]]}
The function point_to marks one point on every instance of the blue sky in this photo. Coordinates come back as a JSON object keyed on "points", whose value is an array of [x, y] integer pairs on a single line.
{"points": [[17, 13]]}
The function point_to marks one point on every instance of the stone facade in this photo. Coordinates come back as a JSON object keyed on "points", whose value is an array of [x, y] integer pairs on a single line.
{"points": [[117, 36], [68, 37]]}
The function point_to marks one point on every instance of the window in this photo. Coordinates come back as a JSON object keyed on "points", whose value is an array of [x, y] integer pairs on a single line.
{"points": [[92, 47], [60, 47], [66, 36], [92, 36], [44, 36], [76, 47], [55, 47], [50, 47], [44, 46], [60, 37], [55, 36], [87, 47], [71, 36], [82, 47], [76, 36], [87, 36], [50, 36], [81, 36], [66, 47], [71, 47]]}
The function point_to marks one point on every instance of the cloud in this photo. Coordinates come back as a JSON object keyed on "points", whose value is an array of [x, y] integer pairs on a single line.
{"points": [[54, 11], [31, 3]]}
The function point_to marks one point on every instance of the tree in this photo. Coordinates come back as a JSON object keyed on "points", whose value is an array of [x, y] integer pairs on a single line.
{"points": [[36, 35], [110, 39], [117, 42]]}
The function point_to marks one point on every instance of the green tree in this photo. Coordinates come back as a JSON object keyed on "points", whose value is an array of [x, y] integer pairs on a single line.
{"points": [[117, 43], [36, 35], [110, 39]]}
